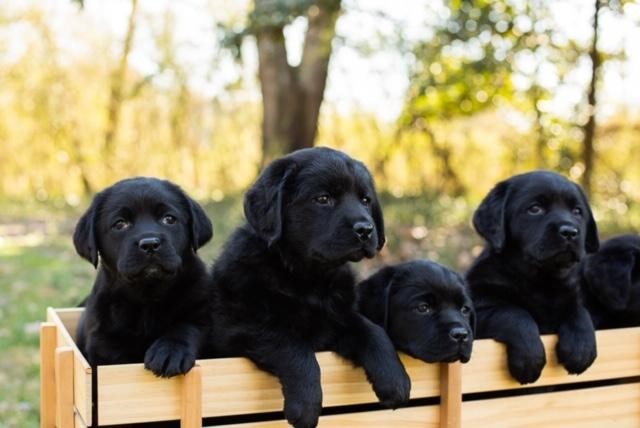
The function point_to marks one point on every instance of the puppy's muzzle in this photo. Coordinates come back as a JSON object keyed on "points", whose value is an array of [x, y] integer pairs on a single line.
{"points": [[568, 232], [363, 230], [149, 245], [459, 335]]}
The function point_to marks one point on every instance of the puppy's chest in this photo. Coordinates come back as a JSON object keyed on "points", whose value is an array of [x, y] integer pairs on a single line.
{"points": [[318, 318], [144, 323]]}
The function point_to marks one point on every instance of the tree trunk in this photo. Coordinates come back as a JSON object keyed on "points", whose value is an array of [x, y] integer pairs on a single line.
{"points": [[589, 129], [117, 85], [292, 96]]}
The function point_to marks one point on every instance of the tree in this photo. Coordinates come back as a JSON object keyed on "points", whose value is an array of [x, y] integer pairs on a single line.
{"points": [[291, 94], [117, 87], [597, 60]]}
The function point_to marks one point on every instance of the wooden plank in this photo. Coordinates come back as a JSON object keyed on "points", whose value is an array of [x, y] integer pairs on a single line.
{"points": [[48, 337], [451, 398], [64, 387], [233, 386], [611, 406], [66, 319], [127, 393], [192, 399], [82, 386], [618, 356], [418, 417], [70, 318]]}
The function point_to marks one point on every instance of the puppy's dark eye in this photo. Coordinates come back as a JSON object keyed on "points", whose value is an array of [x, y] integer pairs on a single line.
{"points": [[577, 211], [366, 201], [168, 219], [323, 200], [121, 225], [424, 308], [465, 310], [535, 209]]}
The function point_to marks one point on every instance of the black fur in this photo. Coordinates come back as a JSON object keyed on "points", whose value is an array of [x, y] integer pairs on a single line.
{"points": [[537, 227], [424, 307], [150, 301], [284, 289], [611, 283]]}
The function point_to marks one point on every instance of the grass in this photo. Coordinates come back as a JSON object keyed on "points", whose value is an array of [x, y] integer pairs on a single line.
{"points": [[39, 268]]}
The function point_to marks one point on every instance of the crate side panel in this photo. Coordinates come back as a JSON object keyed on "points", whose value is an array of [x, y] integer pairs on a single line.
{"points": [[610, 406], [418, 417], [234, 385], [128, 393], [618, 356]]}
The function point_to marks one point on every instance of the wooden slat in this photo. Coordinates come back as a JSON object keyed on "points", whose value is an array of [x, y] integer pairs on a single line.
{"points": [[451, 401], [192, 399], [70, 318], [127, 393], [48, 337], [418, 417], [66, 321], [233, 386], [64, 387], [611, 406], [618, 356]]}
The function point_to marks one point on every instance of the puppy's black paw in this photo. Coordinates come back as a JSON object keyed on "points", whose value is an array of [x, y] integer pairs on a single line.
{"points": [[392, 386], [303, 412], [526, 362], [167, 358], [577, 351]]}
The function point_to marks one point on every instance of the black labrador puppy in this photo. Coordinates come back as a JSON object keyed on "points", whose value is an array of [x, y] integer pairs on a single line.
{"points": [[611, 283], [537, 227], [424, 307], [283, 285], [150, 301]]}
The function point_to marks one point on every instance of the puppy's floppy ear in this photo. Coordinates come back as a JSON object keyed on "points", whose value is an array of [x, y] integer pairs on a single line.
{"points": [[85, 237], [201, 227], [489, 219], [263, 203], [373, 295], [592, 242], [378, 219], [608, 277]]}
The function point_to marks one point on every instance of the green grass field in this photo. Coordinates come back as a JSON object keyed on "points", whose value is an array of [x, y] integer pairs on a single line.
{"points": [[39, 268]]}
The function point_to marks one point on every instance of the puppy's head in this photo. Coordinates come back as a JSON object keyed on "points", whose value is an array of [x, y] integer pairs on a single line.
{"points": [[612, 275], [542, 218], [317, 206], [425, 309], [142, 229]]}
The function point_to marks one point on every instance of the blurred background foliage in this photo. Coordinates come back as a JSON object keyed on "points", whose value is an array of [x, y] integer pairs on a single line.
{"points": [[441, 99]]}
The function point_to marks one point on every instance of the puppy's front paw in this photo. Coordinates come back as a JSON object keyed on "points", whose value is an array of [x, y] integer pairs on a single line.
{"points": [[392, 385], [526, 362], [303, 412], [167, 358], [576, 352]]}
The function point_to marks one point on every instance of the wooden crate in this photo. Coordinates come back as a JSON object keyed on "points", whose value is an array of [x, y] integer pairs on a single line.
{"points": [[479, 393]]}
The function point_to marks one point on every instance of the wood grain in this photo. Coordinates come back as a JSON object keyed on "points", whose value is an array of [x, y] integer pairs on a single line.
{"points": [[48, 337], [191, 416], [413, 417], [618, 356], [451, 400], [64, 387], [612, 406]]}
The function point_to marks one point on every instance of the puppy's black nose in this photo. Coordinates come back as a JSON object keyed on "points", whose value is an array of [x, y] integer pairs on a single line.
{"points": [[568, 232], [363, 229], [149, 245], [459, 334]]}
